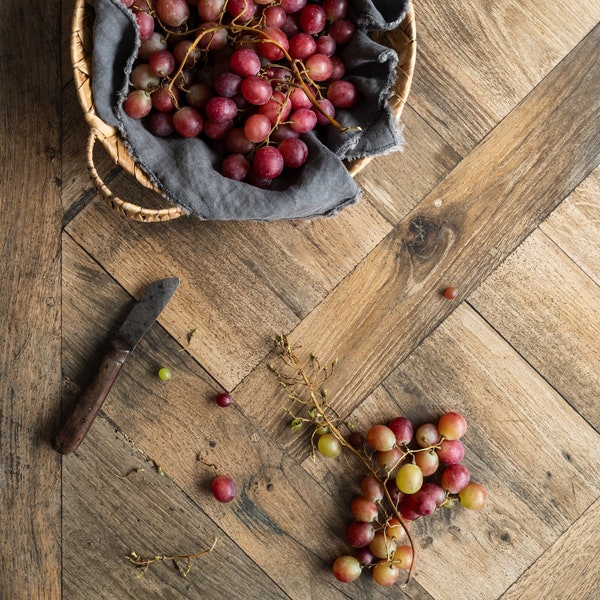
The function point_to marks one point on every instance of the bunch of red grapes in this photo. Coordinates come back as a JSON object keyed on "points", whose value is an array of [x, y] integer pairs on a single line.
{"points": [[248, 76], [412, 473]]}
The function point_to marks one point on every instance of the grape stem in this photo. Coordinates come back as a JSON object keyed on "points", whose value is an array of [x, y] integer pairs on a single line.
{"points": [[144, 563], [283, 343], [298, 75]]}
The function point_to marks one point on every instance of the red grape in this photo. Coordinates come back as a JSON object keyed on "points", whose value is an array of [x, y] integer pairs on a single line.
{"points": [[342, 94], [360, 534], [427, 435], [273, 43], [455, 478], [452, 425], [312, 19], [223, 399], [363, 509], [172, 12], [268, 164], [188, 121], [381, 438], [244, 62], [235, 166], [295, 152], [223, 488], [386, 573], [402, 428], [372, 488], [220, 109], [137, 104], [256, 90], [473, 496], [257, 128], [302, 45], [451, 452]]}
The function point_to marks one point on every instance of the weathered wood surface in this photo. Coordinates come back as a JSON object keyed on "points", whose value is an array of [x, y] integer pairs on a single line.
{"points": [[497, 192], [30, 300]]}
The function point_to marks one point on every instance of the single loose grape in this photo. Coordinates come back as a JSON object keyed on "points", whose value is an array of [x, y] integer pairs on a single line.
{"points": [[450, 293], [164, 373], [223, 488], [224, 399]]}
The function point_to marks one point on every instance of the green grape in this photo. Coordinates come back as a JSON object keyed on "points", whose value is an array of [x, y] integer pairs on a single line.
{"points": [[409, 478], [164, 373], [329, 445]]}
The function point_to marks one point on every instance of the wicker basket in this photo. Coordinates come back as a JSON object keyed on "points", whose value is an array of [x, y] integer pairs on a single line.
{"points": [[401, 39]]}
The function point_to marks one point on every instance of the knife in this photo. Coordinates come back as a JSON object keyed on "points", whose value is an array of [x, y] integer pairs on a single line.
{"points": [[136, 325]]}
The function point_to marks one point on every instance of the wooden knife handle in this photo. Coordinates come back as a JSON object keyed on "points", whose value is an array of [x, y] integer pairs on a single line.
{"points": [[76, 426]]}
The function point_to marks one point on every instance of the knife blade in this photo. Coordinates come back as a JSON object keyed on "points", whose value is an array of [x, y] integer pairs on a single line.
{"points": [[142, 316]]}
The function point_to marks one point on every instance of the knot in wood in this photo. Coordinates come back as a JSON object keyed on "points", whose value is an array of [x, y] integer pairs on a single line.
{"points": [[422, 236]]}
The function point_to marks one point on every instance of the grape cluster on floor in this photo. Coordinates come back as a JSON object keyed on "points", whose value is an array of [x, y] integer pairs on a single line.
{"points": [[413, 474], [249, 76]]}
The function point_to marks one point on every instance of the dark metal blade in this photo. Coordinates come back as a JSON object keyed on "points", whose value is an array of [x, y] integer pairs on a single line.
{"points": [[146, 311]]}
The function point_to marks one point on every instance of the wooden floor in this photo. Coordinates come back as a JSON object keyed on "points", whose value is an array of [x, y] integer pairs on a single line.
{"points": [[497, 193]]}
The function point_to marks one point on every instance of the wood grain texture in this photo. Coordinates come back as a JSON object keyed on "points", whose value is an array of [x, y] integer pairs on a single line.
{"points": [[541, 317], [30, 301], [502, 130], [520, 441], [575, 226], [143, 511], [569, 569], [279, 511], [456, 236], [477, 61], [281, 271]]}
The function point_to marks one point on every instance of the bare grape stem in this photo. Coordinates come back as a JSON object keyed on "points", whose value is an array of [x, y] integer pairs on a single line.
{"points": [[315, 399]]}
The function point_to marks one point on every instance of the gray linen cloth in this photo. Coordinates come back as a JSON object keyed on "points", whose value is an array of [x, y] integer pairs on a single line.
{"points": [[187, 170]]}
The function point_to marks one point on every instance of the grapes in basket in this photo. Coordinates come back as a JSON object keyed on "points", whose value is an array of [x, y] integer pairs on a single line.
{"points": [[248, 76]]}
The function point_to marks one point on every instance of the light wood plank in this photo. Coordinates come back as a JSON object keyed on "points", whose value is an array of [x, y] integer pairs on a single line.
{"points": [[477, 60], [281, 271], [395, 183], [575, 226], [539, 306], [30, 301], [456, 236], [570, 569]]}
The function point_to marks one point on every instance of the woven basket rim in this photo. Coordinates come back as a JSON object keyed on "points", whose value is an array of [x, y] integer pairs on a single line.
{"points": [[402, 39]]}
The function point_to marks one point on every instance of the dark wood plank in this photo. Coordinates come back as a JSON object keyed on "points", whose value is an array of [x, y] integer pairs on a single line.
{"points": [[281, 516], [30, 299], [456, 236], [116, 502]]}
